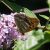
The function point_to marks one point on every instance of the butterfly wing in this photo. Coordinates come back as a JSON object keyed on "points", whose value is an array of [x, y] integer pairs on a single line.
{"points": [[25, 23]]}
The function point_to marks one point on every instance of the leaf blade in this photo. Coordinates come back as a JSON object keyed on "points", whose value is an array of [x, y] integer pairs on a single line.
{"points": [[44, 16], [29, 13]]}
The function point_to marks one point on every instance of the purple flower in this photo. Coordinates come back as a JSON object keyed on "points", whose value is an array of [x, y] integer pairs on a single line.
{"points": [[8, 29]]}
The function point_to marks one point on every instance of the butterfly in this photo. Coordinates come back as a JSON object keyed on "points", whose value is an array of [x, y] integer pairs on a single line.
{"points": [[25, 23]]}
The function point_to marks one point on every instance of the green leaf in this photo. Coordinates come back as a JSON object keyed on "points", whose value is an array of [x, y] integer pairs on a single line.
{"points": [[45, 40], [39, 34], [12, 6], [25, 45], [48, 26], [30, 42], [39, 45], [45, 17], [47, 35], [29, 13], [48, 32]]}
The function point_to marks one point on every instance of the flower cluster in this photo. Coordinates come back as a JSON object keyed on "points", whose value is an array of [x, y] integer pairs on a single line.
{"points": [[8, 29]]}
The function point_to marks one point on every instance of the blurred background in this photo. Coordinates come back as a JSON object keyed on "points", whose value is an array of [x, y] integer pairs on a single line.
{"points": [[31, 4]]}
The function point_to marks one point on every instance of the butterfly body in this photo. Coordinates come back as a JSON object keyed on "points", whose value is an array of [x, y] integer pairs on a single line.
{"points": [[25, 23]]}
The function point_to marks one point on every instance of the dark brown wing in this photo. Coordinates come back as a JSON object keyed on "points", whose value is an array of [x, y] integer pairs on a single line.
{"points": [[25, 23]]}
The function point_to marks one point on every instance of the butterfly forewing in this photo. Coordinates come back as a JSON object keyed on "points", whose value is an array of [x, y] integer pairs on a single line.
{"points": [[25, 23]]}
